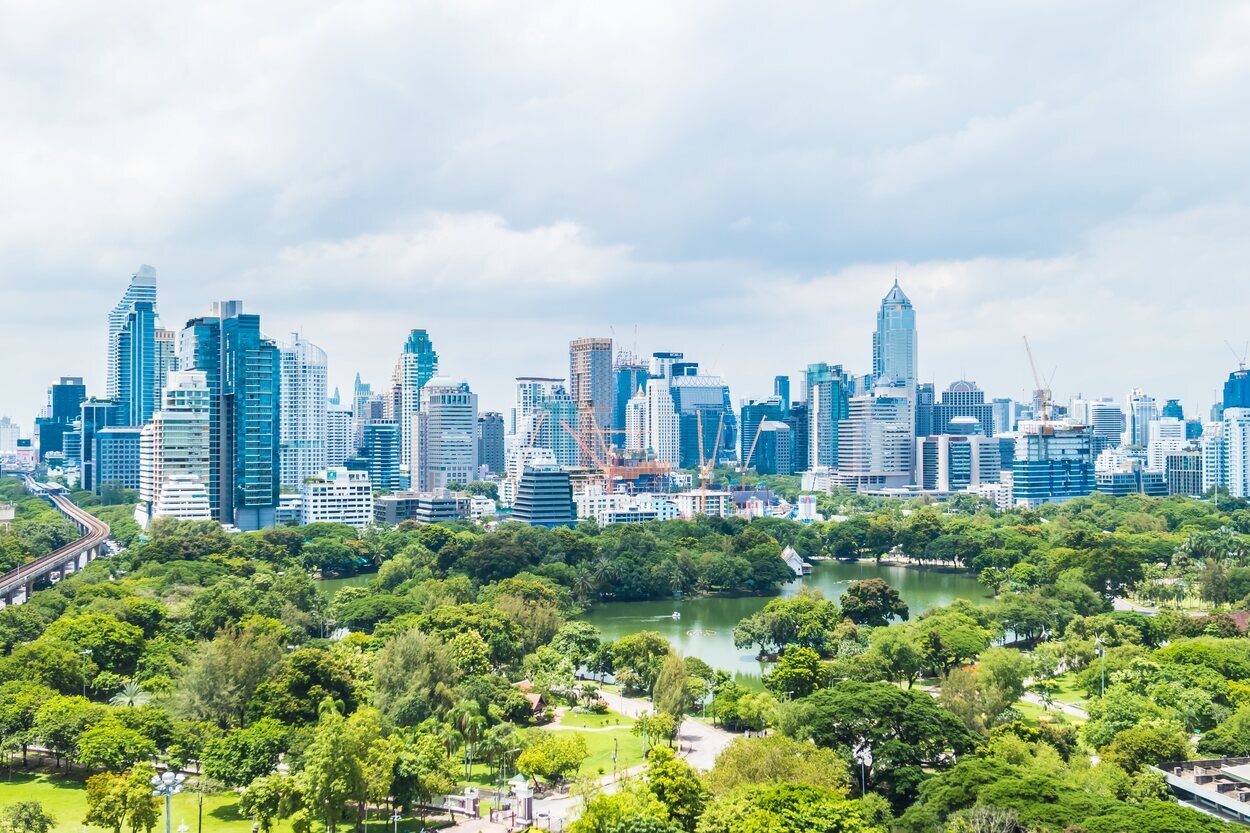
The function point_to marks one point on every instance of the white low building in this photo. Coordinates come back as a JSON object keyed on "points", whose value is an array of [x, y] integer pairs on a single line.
{"points": [[180, 496], [697, 502], [338, 495]]}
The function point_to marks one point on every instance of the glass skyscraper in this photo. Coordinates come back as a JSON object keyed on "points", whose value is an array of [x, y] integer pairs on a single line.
{"points": [[142, 288], [894, 342], [242, 370]]}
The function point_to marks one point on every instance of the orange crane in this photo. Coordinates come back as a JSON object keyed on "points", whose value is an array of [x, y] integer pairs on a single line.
{"points": [[706, 467], [537, 427]]}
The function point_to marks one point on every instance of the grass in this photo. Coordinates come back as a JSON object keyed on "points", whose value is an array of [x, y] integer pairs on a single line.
{"points": [[66, 800], [600, 746], [596, 721], [1067, 690], [1034, 713]]}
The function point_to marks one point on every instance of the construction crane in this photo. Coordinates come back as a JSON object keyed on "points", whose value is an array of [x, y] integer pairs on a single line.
{"points": [[706, 466], [746, 464], [534, 433], [1241, 359], [1042, 391]]}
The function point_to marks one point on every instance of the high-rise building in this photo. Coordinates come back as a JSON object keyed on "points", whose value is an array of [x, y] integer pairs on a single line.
{"points": [[781, 390], [444, 443], [926, 401], [1237, 389], [753, 415], [174, 448], [490, 443], [544, 497], [1183, 470], [417, 364], [242, 369], [337, 495], [65, 398], [10, 433], [1237, 451], [1004, 415], [1214, 460], [1107, 422], [1166, 435], [362, 394], [704, 408], [876, 441], [97, 414], [828, 403], [773, 448], [166, 345], [380, 445], [1139, 410], [963, 399], [543, 409], [340, 445], [142, 287], [117, 457], [628, 376], [1052, 463], [302, 443], [952, 463], [894, 342], [590, 386], [1173, 410], [800, 448], [138, 385]]}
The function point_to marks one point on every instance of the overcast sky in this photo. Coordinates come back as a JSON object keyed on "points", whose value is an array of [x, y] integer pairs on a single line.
{"points": [[740, 181]]}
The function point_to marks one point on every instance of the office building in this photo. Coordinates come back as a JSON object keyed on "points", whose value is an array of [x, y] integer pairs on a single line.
{"points": [[876, 443], [925, 402], [800, 447], [417, 364], [544, 497], [181, 496], [65, 398], [337, 495], [10, 433], [302, 443], [444, 442], [590, 387], [97, 414], [543, 410], [1131, 479], [340, 445], [1214, 460], [629, 375], [707, 424], [174, 447], [1237, 451], [438, 506], [1173, 410], [1003, 416], [142, 288], [116, 457], [166, 358], [138, 386], [490, 442], [1237, 389], [1052, 463], [827, 404], [781, 390], [653, 424], [1166, 435], [956, 462], [773, 448], [1107, 422], [1139, 411], [754, 414], [381, 447], [713, 503], [963, 399], [242, 369], [1183, 470], [894, 342]]}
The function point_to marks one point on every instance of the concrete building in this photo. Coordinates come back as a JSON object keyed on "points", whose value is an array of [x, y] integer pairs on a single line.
{"points": [[876, 446], [716, 504], [1165, 436], [444, 441], [337, 495], [181, 496], [10, 433], [1183, 470], [1140, 410], [956, 462], [117, 457], [340, 445], [663, 424], [174, 449], [302, 444], [1214, 458], [438, 506], [590, 387], [543, 408], [1052, 463], [381, 447], [629, 374], [962, 399], [827, 403], [1237, 451]]}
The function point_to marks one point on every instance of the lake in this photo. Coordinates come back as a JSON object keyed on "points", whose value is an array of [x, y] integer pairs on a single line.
{"points": [[705, 629]]}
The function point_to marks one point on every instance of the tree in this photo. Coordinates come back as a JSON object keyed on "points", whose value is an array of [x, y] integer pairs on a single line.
{"points": [[782, 808], [61, 721], [423, 770], [26, 817], [552, 755], [224, 674], [268, 798], [677, 787], [777, 759], [671, 693], [1147, 744], [644, 654], [414, 677], [308, 677], [115, 646], [330, 767], [653, 726], [132, 695], [110, 745], [797, 674], [900, 651], [632, 809], [872, 602], [578, 641], [243, 755], [117, 800], [905, 733]]}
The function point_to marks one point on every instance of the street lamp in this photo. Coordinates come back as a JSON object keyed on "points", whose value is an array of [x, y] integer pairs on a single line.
{"points": [[182, 828], [167, 784], [395, 818], [1101, 646], [84, 653]]}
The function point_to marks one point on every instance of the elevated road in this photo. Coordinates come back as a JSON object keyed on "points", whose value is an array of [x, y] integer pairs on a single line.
{"points": [[17, 585]]}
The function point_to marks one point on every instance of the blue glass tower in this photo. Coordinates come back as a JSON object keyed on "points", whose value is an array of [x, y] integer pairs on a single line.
{"points": [[242, 370], [894, 342], [1237, 389], [137, 383]]}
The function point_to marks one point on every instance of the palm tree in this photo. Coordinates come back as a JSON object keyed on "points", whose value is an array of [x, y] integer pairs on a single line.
{"points": [[131, 696]]}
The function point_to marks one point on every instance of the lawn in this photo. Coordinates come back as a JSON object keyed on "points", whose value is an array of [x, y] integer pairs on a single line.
{"points": [[596, 721], [600, 746], [1067, 690], [1033, 713], [66, 800]]}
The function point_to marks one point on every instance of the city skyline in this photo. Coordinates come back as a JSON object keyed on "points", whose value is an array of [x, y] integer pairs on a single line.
{"points": [[540, 177]]}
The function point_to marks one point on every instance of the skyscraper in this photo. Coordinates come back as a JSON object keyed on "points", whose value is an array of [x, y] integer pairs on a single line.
{"points": [[703, 405], [445, 435], [827, 405], [490, 445], [340, 445], [876, 441], [543, 409], [781, 390], [380, 445], [1173, 410], [174, 450], [590, 386], [1051, 463], [894, 342], [138, 379], [302, 431], [629, 374], [142, 288], [962, 399], [1236, 451], [65, 398], [242, 370], [417, 364], [1237, 389], [1139, 410]]}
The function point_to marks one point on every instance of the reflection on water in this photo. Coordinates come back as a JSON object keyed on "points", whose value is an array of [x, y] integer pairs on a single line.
{"points": [[705, 627]]}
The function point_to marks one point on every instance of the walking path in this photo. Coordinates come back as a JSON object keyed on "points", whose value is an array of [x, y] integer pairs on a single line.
{"points": [[697, 742]]}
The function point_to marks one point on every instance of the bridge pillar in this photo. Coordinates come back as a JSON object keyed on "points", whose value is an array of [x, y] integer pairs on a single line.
{"points": [[83, 558]]}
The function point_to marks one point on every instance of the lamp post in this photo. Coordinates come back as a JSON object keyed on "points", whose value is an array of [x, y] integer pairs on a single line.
{"points": [[1101, 647], [395, 818], [84, 653], [167, 784]]}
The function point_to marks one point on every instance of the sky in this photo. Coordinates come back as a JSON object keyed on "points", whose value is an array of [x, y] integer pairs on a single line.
{"points": [[738, 181]]}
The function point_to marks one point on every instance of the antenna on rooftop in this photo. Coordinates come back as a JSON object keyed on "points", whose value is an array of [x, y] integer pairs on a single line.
{"points": [[1241, 359]]}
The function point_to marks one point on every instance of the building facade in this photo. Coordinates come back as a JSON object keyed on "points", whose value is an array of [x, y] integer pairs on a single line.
{"points": [[444, 439], [894, 341], [591, 389], [302, 443], [337, 495]]}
